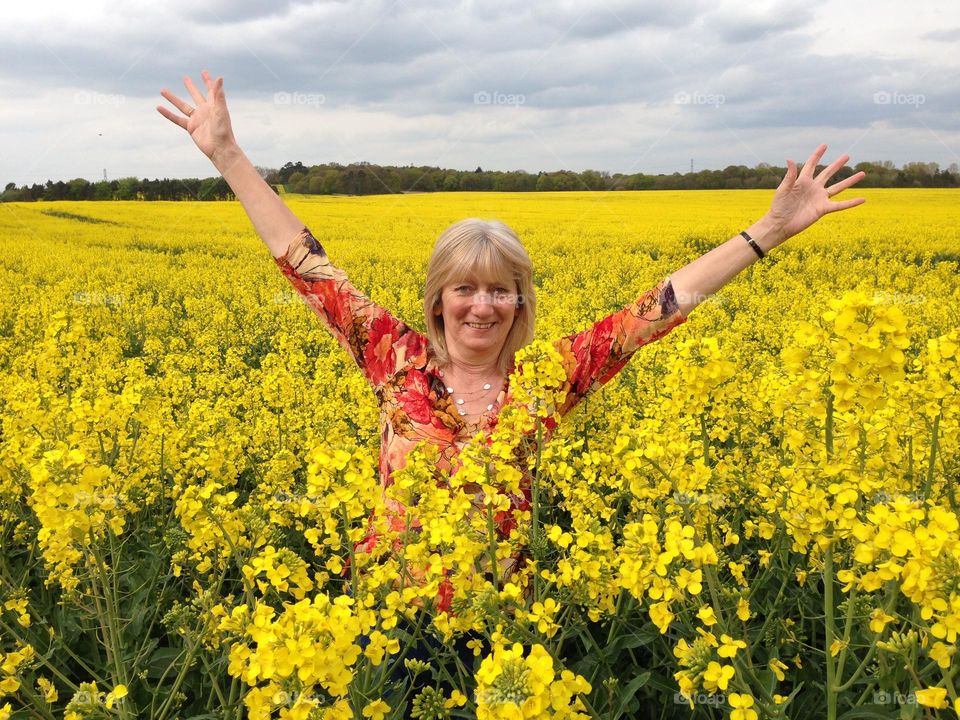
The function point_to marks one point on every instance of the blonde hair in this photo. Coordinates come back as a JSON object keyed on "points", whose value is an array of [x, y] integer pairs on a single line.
{"points": [[490, 248]]}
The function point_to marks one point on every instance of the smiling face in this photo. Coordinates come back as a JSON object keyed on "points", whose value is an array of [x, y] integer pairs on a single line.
{"points": [[477, 316], [479, 273]]}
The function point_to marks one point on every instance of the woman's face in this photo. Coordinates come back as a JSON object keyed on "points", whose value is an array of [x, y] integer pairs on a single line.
{"points": [[477, 315]]}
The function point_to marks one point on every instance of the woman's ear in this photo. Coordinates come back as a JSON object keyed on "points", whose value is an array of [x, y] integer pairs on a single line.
{"points": [[438, 308]]}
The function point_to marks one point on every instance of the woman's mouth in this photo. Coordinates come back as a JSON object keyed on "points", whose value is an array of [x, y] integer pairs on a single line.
{"points": [[480, 326]]}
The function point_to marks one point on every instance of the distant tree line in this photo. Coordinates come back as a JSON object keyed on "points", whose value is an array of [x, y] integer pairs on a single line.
{"points": [[366, 179]]}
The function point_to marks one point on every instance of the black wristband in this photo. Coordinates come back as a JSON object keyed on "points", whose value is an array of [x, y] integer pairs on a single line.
{"points": [[756, 248]]}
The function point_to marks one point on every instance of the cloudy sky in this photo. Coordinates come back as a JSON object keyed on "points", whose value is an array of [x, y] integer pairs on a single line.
{"points": [[616, 85]]}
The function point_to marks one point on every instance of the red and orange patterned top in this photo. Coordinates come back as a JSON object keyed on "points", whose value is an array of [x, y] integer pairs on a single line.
{"points": [[400, 367]]}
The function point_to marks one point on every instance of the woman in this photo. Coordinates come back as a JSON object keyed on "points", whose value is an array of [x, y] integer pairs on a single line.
{"points": [[479, 301]]}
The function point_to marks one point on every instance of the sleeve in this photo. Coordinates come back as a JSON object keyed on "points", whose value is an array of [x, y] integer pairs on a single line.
{"points": [[379, 343], [592, 357]]}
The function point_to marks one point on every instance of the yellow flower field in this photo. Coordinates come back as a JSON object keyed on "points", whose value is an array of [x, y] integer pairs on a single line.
{"points": [[758, 518]]}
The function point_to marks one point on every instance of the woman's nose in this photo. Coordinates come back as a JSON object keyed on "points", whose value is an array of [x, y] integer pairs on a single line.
{"points": [[482, 298]]}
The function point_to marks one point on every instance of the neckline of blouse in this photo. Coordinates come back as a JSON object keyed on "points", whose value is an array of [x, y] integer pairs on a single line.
{"points": [[434, 370]]}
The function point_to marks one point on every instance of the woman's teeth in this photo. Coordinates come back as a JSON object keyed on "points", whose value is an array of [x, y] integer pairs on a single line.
{"points": [[480, 326]]}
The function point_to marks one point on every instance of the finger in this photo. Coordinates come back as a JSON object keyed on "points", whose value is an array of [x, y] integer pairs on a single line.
{"points": [[205, 76], [194, 93], [175, 119], [839, 187], [844, 205], [831, 170], [810, 165], [791, 176], [177, 102]]}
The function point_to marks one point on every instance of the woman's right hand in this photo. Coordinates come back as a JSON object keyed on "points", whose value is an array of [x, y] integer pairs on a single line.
{"points": [[208, 121]]}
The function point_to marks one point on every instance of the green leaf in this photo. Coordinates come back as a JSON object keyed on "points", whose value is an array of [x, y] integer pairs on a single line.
{"points": [[160, 660], [626, 696]]}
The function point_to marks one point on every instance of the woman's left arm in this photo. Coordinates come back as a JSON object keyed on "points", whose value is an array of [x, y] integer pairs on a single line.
{"points": [[801, 199]]}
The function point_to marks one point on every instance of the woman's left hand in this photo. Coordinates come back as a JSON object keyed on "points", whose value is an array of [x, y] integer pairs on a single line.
{"points": [[803, 199]]}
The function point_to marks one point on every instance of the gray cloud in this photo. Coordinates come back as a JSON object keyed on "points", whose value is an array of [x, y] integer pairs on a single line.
{"points": [[612, 85]]}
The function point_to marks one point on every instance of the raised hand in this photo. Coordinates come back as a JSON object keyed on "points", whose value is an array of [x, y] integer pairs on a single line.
{"points": [[802, 199], [208, 120]]}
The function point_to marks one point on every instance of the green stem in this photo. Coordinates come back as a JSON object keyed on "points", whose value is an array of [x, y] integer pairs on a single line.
{"points": [[829, 631], [113, 640], [934, 447], [847, 629], [828, 441], [353, 565], [893, 595], [705, 439], [535, 510]]}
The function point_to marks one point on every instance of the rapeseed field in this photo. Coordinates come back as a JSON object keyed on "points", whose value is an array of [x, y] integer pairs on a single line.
{"points": [[757, 518]]}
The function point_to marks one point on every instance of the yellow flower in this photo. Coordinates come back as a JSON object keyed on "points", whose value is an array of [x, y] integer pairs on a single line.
{"points": [[932, 697], [941, 654], [661, 616], [743, 609], [457, 699], [742, 704], [879, 620], [118, 693], [777, 667], [717, 676], [542, 614], [376, 710], [690, 582], [836, 646], [729, 646], [8, 686], [19, 606], [511, 685], [47, 689], [706, 615]]}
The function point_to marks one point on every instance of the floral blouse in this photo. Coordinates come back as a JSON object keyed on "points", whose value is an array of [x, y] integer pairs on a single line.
{"points": [[399, 364]]}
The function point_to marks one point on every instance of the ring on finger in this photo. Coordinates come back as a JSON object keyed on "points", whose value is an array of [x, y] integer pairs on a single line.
{"points": [[189, 111]]}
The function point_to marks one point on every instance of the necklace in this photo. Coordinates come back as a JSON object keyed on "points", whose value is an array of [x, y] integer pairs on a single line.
{"points": [[459, 400]]}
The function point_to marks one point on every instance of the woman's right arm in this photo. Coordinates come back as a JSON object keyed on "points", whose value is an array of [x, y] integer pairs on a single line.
{"points": [[208, 123]]}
